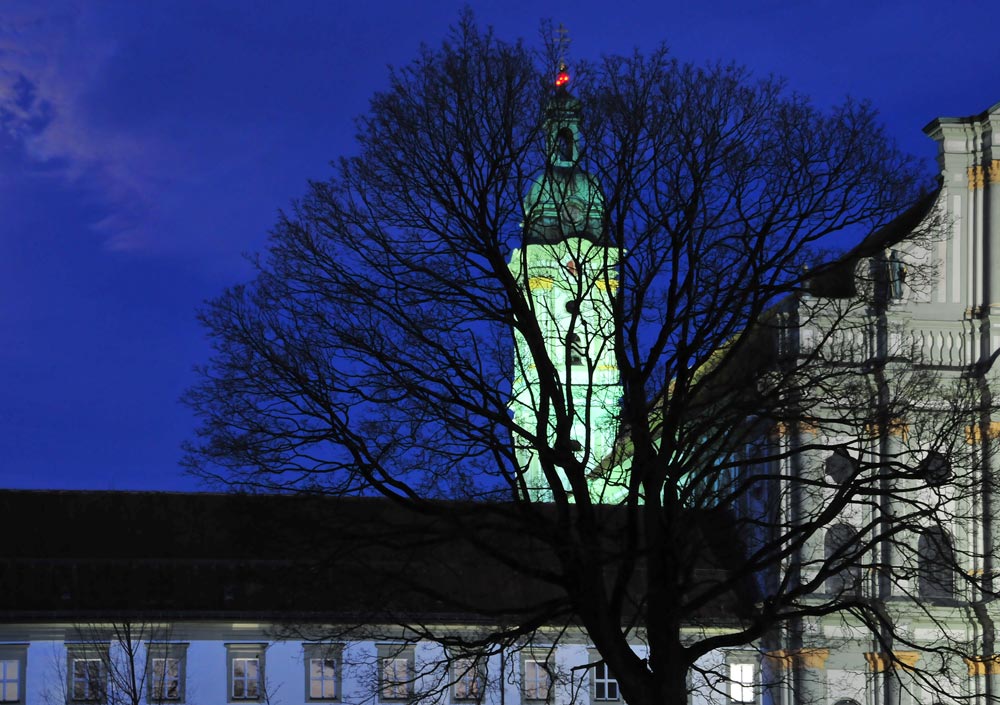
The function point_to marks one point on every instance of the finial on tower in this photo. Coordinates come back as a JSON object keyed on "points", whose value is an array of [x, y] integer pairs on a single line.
{"points": [[562, 78], [562, 47]]}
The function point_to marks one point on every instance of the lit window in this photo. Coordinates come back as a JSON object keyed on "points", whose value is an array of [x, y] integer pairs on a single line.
{"points": [[537, 683], [395, 679], [741, 682], [246, 671], [322, 678], [605, 685], [323, 671], [246, 678], [165, 672], [10, 680], [468, 679], [396, 670]]}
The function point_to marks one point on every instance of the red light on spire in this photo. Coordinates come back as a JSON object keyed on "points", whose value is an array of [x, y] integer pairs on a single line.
{"points": [[562, 78]]}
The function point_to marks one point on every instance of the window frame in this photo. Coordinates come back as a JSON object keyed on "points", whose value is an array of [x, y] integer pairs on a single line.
{"points": [[937, 578], [97, 653], [838, 540], [544, 661], [19, 654], [402, 690], [240, 652], [312, 651], [465, 667], [735, 687], [166, 651], [607, 680]]}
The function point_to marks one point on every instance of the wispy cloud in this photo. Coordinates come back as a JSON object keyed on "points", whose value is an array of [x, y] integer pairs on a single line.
{"points": [[50, 61]]}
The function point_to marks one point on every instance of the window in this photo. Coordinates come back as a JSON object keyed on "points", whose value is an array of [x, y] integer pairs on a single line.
{"points": [[166, 667], [86, 674], [164, 679], [840, 548], [936, 572], [896, 270], [605, 685], [87, 680], [468, 678], [246, 671], [13, 661], [564, 145], [536, 678], [574, 344], [246, 678], [10, 681], [323, 670], [395, 672], [742, 677]]}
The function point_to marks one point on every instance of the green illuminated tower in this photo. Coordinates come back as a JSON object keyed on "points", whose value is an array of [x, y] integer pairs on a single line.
{"points": [[569, 271]]}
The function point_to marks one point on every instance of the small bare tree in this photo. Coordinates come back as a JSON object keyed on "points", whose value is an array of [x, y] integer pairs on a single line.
{"points": [[122, 662]]}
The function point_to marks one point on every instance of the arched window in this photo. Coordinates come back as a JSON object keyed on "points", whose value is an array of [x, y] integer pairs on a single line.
{"points": [[936, 569], [575, 346], [840, 550], [564, 145], [847, 701], [840, 467], [934, 469]]}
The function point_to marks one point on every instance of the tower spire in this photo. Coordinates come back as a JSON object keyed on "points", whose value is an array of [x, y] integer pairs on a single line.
{"points": [[569, 274], [562, 48], [562, 44]]}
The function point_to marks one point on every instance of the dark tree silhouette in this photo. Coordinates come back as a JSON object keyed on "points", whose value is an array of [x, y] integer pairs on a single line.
{"points": [[399, 339]]}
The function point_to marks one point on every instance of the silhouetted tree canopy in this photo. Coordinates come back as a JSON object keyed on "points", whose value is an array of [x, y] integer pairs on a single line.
{"points": [[374, 352]]}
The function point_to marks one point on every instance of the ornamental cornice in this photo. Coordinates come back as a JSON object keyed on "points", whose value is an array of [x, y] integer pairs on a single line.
{"points": [[994, 171], [974, 432], [879, 662], [813, 658], [983, 665], [974, 174]]}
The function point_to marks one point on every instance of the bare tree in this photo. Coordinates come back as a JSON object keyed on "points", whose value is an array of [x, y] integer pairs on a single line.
{"points": [[611, 325]]}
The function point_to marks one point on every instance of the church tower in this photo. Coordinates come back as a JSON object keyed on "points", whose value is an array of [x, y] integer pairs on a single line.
{"points": [[569, 272]]}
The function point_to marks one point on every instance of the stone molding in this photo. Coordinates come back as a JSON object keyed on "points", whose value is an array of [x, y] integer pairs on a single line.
{"points": [[975, 177], [974, 433], [983, 665], [813, 658], [879, 662]]}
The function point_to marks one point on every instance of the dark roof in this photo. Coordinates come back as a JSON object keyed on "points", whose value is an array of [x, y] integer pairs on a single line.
{"points": [[202, 555], [837, 279], [278, 557]]}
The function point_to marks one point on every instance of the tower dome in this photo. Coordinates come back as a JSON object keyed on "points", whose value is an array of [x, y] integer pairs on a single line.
{"points": [[564, 200]]}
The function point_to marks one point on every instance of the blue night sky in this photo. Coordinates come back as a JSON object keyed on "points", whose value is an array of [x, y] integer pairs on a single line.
{"points": [[145, 146]]}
